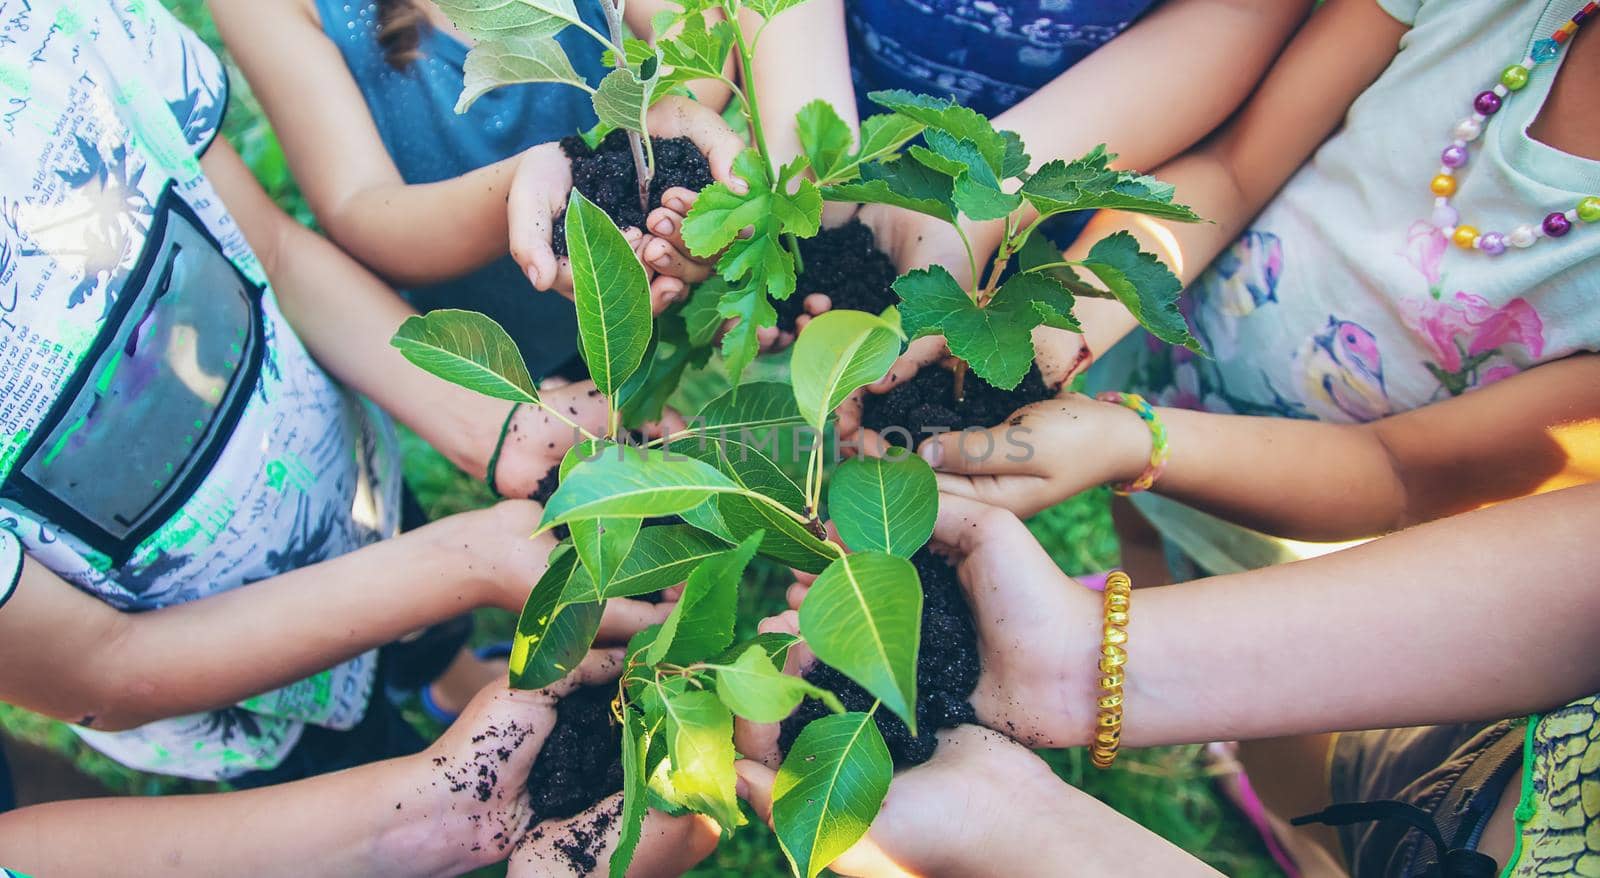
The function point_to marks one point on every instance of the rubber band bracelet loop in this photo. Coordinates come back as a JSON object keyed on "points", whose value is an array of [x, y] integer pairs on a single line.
{"points": [[499, 446], [1159, 450], [1113, 671]]}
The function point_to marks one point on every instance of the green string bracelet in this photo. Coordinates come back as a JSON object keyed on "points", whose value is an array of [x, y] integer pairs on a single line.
{"points": [[499, 446]]}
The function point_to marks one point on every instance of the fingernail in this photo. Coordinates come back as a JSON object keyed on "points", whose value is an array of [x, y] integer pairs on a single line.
{"points": [[932, 452], [662, 261], [678, 204], [741, 788], [663, 226], [533, 278]]}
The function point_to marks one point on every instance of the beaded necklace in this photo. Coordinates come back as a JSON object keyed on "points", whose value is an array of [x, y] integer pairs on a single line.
{"points": [[1512, 79]]}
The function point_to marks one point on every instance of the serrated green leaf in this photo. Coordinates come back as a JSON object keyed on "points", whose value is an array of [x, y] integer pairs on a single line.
{"points": [[698, 51], [635, 743], [552, 638], [977, 191], [824, 138], [611, 293], [623, 99], [769, 8], [699, 732], [701, 624], [492, 19], [961, 123], [700, 317], [1016, 161], [829, 789], [836, 354], [633, 483], [903, 183], [997, 340], [511, 60], [750, 309], [1089, 183], [884, 133], [467, 349], [863, 616], [886, 504], [760, 260], [754, 689], [1144, 285], [602, 544]]}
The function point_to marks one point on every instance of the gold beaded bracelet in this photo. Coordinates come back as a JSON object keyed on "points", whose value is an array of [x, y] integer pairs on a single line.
{"points": [[1113, 659]]}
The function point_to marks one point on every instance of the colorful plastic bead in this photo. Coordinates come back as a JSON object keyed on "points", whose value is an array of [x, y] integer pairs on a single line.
{"points": [[1492, 243], [1445, 216], [1557, 224], [1443, 185], [1514, 77], [1487, 103], [1464, 237], [1545, 50], [1523, 237], [1468, 129], [1589, 209], [1453, 156]]}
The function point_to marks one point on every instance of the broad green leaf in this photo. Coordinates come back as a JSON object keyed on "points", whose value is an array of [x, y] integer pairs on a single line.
{"points": [[635, 743], [901, 183], [1144, 285], [1038, 251], [946, 115], [863, 616], [511, 60], [836, 354], [886, 504], [754, 689], [602, 544], [764, 416], [492, 19], [662, 556], [699, 732], [623, 98], [883, 134], [769, 210], [997, 340], [698, 51], [1089, 183], [750, 309], [644, 395], [787, 541], [829, 789], [468, 349], [552, 638], [977, 191], [708, 517], [700, 318], [825, 139], [701, 624], [633, 483], [775, 645], [611, 293], [769, 8], [1016, 158]]}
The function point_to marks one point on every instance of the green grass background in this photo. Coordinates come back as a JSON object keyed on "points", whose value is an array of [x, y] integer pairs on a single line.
{"points": [[1165, 789]]}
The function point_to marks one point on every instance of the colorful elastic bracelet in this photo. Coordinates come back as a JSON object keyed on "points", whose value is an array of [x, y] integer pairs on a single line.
{"points": [[499, 446], [1113, 662], [1158, 440]]}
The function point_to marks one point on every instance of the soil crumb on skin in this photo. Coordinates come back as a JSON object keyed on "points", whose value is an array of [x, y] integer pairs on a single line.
{"points": [[606, 177], [947, 672], [846, 265], [581, 761], [926, 404]]}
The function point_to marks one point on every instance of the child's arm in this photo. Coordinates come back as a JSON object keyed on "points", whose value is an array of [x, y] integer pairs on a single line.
{"points": [[71, 656], [1339, 52], [1533, 432], [1491, 614]]}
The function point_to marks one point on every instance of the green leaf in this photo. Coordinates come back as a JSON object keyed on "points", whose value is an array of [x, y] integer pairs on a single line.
{"points": [[611, 294], [997, 340], [767, 9], [837, 353], [883, 134], [701, 624], [493, 19], [1016, 159], [552, 638], [644, 395], [950, 117], [787, 541], [754, 689], [750, 309], [1144, 285], [768, 210], [700, 318], [468, 349], [1038, 251], [698, 51], [662, 556], [633, 483], [635, 743], [886, 504], [775, 645], [511, 60], [1089, 183], [977, 191], [829, 789], [699, 732], [764, 416], [602, 544], [900, 183], [863, 616], [825, 139], [623, 98]]}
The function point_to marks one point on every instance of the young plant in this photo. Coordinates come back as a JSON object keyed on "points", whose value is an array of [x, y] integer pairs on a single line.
{"points": [[965, 168]]}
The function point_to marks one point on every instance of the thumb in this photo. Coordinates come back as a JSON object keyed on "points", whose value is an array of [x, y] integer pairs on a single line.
{"points": [[755, 787]]}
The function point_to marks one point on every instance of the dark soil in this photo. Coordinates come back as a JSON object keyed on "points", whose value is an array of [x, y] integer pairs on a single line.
{"points": [[926, 405], [606, 177], [947, 672], [848, 267], [581, 761]]}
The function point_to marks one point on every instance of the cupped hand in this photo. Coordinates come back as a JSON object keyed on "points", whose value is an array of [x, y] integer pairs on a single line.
{"points": [[1048, 452], [668, 846], [537, 440]]}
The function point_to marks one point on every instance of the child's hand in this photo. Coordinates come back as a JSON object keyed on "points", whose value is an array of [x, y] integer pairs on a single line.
{"points": [[1047, 452], [668, 846], [539, 192]]}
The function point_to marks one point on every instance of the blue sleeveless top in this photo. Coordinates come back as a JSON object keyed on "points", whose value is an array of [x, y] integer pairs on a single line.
{"points": [[414, 110], [988, 54]]}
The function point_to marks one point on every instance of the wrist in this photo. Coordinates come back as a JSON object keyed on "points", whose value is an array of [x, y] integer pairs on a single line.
{"points": [[1076, 715], [1131, 442], [419, 830]]}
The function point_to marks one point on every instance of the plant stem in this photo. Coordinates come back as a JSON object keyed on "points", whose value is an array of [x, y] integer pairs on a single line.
{"points": [[643, 167], [961, 380], [751, 105], [551, 411]]}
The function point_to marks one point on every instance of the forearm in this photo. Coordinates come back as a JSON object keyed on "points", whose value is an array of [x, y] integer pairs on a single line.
{"points": [[1050, 829], [365, 821], [1495, 613]]}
